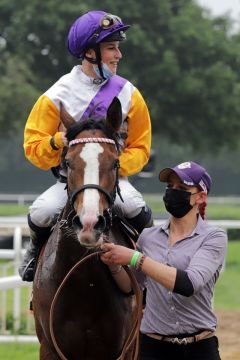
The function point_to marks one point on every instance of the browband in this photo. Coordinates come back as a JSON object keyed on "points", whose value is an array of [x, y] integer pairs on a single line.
{"points": [[91, 140]]}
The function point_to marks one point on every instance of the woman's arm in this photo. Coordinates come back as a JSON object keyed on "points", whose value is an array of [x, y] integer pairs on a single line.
{"points": [[120, 255], [121, 277]]}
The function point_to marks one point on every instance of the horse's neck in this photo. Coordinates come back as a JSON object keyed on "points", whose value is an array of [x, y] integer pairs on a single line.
{"points": [[119, 236]]}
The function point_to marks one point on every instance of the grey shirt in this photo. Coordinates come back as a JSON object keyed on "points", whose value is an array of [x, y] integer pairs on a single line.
{"points": [[202, 255]]}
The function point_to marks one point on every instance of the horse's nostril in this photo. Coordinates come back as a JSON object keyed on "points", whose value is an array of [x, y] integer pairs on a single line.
{"points": [[76, 222], [101, 224]]}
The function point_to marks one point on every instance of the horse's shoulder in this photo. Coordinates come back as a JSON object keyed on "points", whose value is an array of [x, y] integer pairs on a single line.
{"points": [[124, 233]]}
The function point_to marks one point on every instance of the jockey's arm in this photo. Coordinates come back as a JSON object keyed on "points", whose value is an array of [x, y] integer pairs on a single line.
{"points": [[138, 143], [42, 126]]}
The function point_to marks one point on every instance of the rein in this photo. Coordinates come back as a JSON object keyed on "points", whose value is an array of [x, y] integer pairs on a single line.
{"points": [[134, 333]]}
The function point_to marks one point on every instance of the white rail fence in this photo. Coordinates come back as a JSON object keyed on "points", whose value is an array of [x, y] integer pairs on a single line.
{"points": [[18, 293], [15, 295]]}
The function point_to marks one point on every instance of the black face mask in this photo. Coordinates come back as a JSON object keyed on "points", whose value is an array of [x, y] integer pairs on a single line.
{"points": [[177, 202]]}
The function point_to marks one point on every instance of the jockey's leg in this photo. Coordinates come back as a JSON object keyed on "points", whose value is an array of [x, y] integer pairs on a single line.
{"points": [[143, 220], [41, 218], [134, 208], [38, 236]]}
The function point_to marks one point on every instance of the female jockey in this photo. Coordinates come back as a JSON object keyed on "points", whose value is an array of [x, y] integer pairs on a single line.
{"points": [[87, 91]]}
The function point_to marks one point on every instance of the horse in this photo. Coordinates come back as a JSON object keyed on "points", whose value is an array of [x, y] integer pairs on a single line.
{"points": [[79, 311]]}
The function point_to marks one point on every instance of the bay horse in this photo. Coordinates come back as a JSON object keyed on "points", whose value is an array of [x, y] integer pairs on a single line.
{"points": [[80, 312]]}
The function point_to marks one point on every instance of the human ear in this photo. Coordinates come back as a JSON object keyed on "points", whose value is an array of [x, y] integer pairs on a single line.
{"points": [[91, 54], [202, 197]]}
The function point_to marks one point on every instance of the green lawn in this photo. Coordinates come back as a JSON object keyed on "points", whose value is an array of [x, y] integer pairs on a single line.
{"points": [[13, 209], [19, 351], [227, 291]]}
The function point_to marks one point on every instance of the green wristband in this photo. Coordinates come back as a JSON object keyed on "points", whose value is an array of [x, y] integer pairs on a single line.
{"points": [[134, 258]]}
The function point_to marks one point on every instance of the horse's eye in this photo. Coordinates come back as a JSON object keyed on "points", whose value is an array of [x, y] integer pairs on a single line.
{"points": [[67, 163]]}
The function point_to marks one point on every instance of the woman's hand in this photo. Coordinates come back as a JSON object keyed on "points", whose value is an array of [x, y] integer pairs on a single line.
{"points": [[116, 255]]}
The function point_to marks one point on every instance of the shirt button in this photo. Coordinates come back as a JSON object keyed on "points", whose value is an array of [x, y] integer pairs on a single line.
{"points": [[169, 293], [172, 308], [177, 323]]}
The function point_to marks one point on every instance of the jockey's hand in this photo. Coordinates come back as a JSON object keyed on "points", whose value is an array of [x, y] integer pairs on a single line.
{"points": [[64, 139], [116, 254]]}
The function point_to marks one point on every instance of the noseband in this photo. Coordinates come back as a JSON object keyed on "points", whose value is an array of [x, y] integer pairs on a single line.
{"points": [[116, 190]]}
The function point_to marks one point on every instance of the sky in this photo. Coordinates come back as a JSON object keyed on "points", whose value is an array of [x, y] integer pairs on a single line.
{"points": [[220, 7]]}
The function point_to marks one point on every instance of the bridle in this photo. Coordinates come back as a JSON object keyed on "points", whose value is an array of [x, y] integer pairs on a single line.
{"points": [[109, 196], [132, 340]]}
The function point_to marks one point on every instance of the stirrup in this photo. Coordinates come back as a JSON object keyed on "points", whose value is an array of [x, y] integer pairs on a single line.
{"points": [[28, 273]]}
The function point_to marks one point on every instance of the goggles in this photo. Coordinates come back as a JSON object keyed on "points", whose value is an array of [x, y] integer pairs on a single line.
{"points": [[109, 20]]}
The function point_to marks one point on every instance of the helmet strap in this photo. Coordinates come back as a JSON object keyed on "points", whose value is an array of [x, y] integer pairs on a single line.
{"points": [[97, 61]]}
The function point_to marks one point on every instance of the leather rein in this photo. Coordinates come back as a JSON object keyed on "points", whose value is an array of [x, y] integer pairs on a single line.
{"points": [[133, 337]]}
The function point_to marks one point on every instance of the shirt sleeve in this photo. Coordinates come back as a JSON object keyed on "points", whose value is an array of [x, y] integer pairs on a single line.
{"points": [[208, 260], [138, 143], [42, 124]]}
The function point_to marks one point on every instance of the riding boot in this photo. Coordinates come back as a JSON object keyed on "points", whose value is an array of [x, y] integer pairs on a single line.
{"points": [[38, 236], [143, 220]]}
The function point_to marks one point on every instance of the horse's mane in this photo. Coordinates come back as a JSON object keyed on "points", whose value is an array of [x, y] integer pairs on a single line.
{"points": [[91, 124]]}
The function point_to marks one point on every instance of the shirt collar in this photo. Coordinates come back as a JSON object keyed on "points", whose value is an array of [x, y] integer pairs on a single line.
{"points": [[88, 80], [198, 229]]}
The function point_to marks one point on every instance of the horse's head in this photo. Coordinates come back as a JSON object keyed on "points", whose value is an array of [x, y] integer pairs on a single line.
{"points": [[92, 171]]}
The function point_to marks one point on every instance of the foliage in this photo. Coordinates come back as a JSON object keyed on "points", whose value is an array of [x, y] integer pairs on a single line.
{"points": [[188, 64], [16, 93], [227, 288]]}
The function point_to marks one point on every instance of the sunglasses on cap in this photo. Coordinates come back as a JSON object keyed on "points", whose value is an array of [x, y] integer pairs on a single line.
{"points": [[109, 20]]}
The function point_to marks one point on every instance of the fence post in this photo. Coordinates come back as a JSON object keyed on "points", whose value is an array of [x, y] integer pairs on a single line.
{"points": [[17, 246]]}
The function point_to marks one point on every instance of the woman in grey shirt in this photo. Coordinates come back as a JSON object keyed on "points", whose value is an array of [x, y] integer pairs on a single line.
{"points": [[179, 263]]}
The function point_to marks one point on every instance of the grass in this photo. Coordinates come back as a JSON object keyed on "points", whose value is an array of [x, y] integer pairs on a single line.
{"points": [[227, 290], [16, 351], [13, 209]]}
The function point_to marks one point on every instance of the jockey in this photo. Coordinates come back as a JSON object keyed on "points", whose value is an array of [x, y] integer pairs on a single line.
{"points": [[87, 90]]}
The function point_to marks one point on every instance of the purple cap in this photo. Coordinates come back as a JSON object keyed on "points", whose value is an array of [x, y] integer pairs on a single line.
{"points": [[86, 31], [190, 173]]}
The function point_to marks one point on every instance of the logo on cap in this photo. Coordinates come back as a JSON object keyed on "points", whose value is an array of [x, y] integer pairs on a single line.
{"points": [[185, 165], [203, 186]]}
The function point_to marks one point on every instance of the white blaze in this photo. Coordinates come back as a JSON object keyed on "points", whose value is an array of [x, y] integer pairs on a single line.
{"points": [[90, 154]]}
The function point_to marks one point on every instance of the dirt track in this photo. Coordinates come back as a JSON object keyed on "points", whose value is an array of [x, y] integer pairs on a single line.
{"points": [[229, 334]]}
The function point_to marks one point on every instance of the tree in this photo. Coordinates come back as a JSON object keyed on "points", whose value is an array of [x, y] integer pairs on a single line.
{"points": [[185, 63]]}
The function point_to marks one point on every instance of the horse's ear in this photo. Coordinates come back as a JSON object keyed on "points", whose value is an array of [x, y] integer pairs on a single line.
{"points": [[65, 117], [114, 115]]}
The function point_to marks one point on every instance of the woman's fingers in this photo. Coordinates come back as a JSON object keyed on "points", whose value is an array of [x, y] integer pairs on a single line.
{"points": [[107, 246]]}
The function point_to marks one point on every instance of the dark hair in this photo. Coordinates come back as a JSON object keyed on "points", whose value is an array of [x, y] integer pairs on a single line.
{"points": [[202, 210]]}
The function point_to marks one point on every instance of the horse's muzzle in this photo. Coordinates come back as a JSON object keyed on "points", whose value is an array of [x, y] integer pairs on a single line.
{"points": [[89, 230]]}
